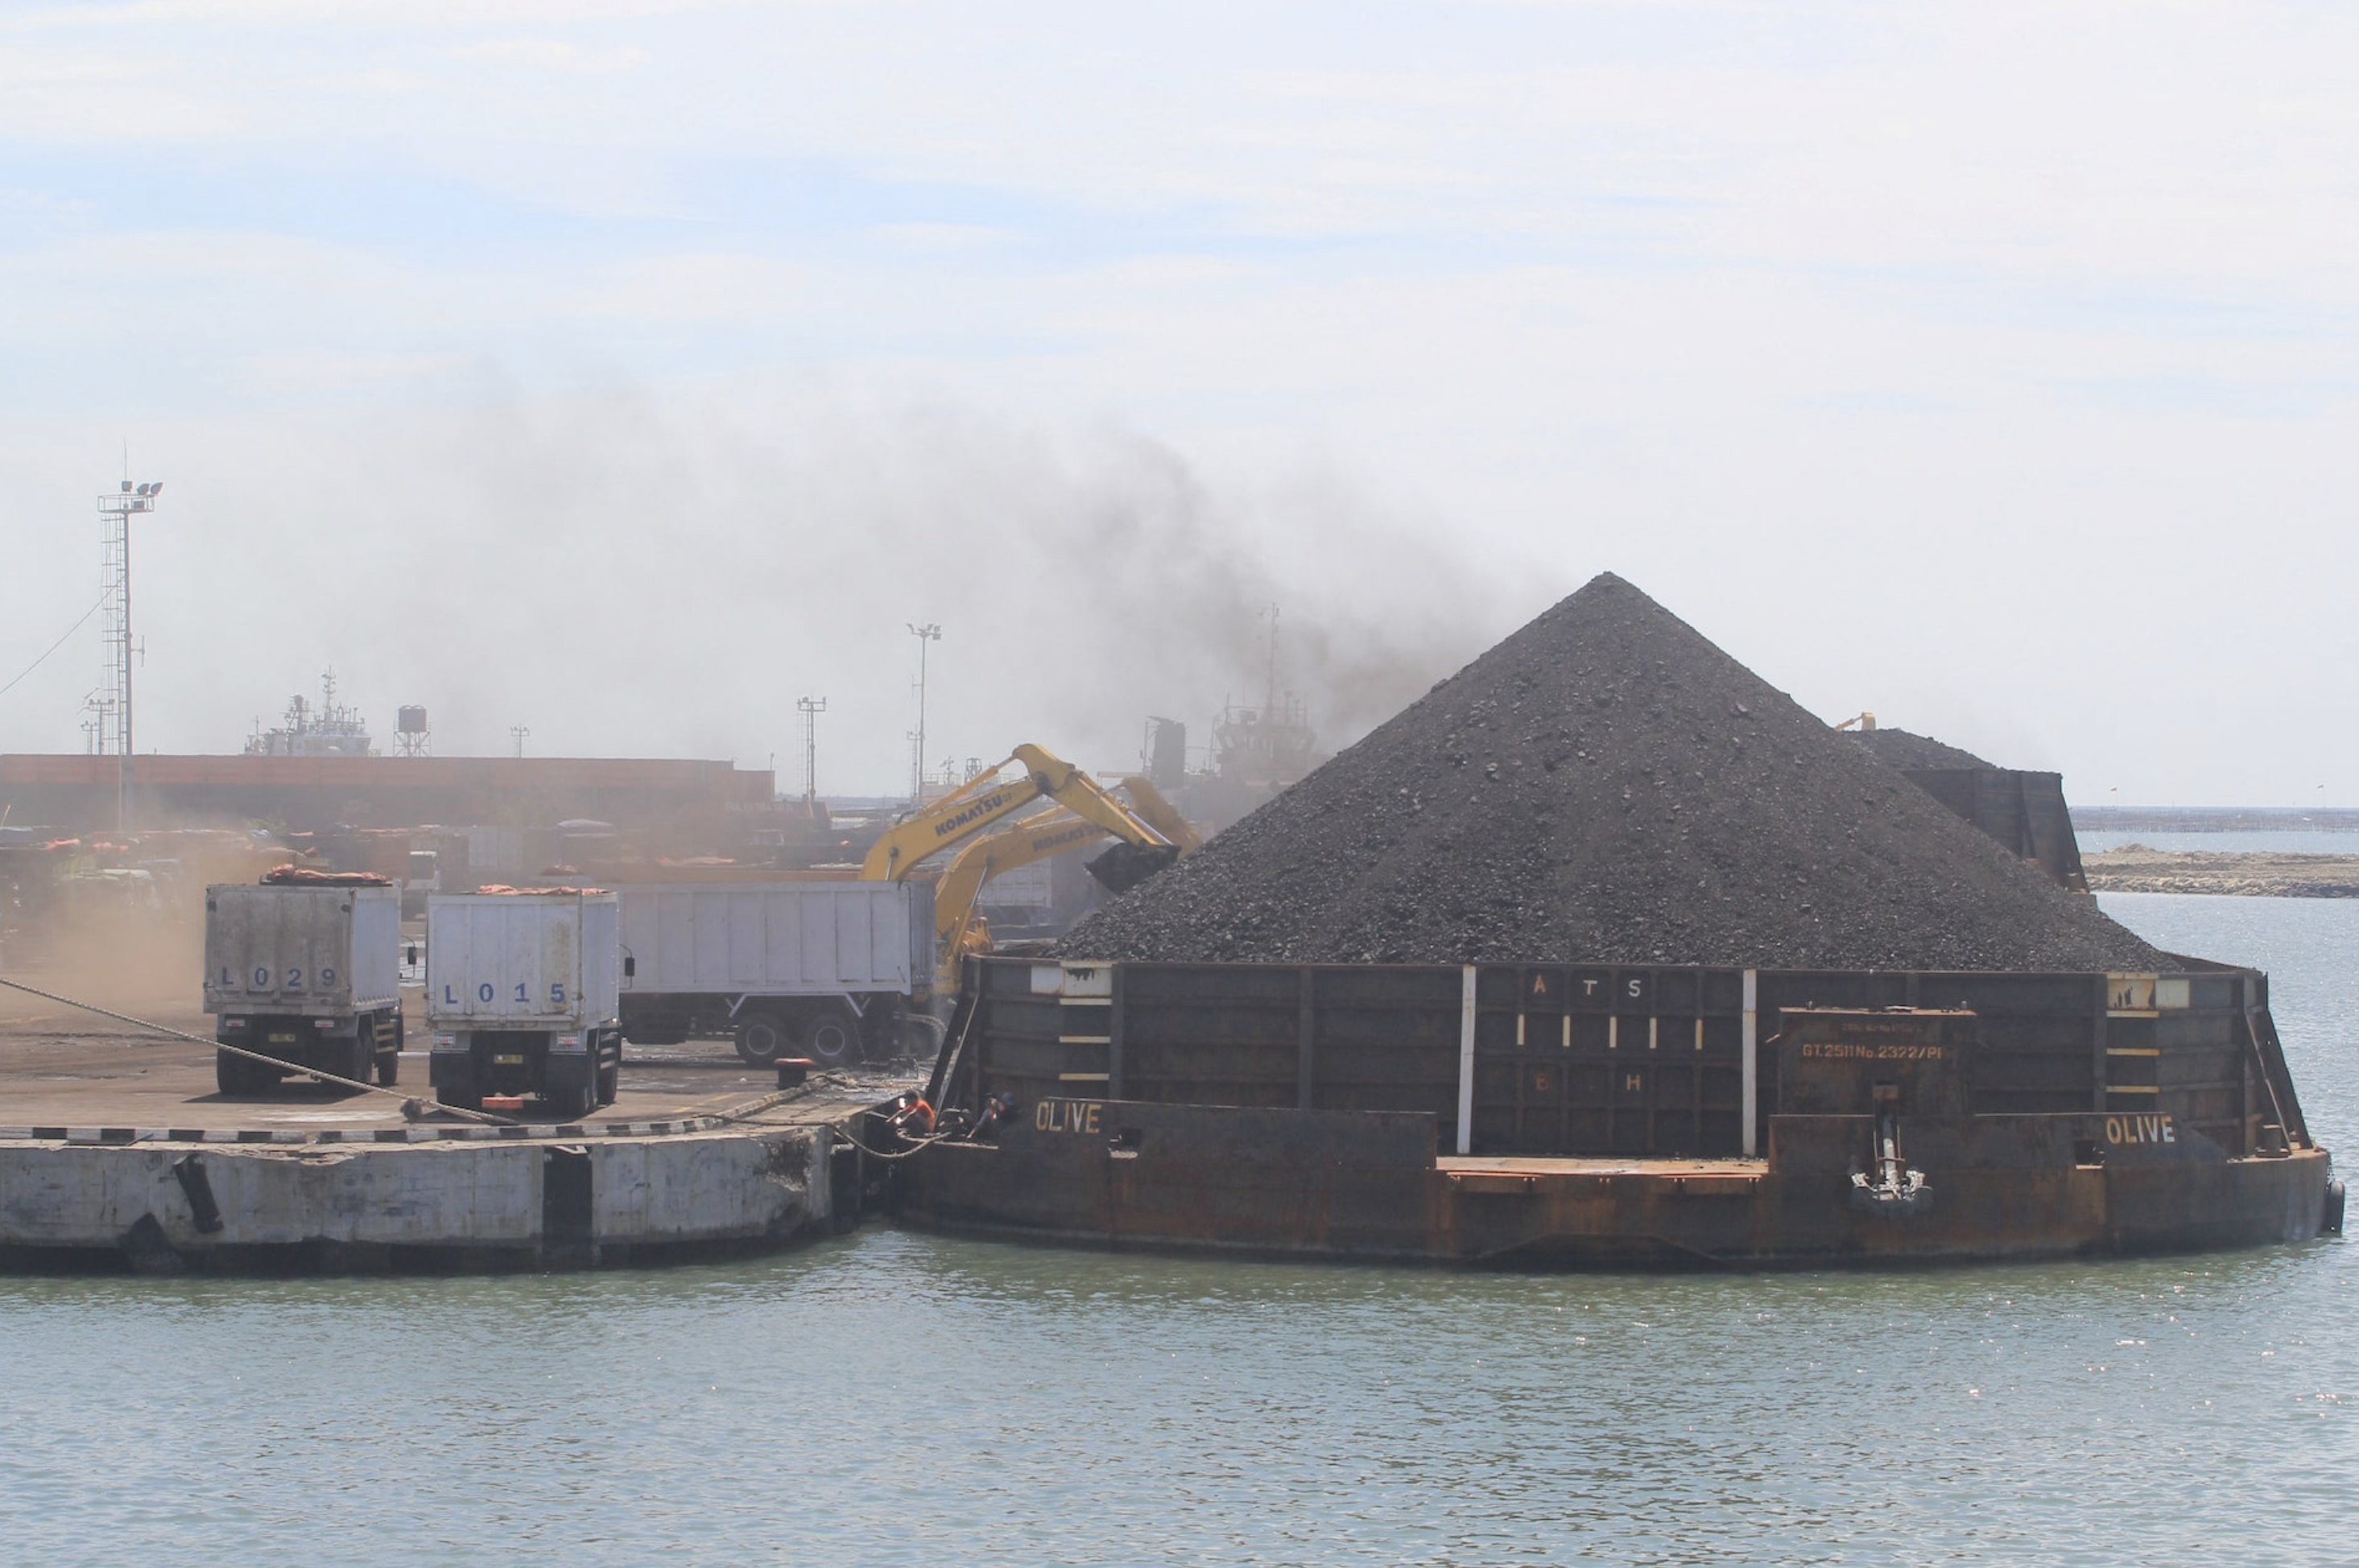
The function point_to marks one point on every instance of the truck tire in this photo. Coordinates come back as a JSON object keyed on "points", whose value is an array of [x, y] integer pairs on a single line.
{"points": [[610, 1082], [833, 1039], [761, 1039], [235, 1075]]}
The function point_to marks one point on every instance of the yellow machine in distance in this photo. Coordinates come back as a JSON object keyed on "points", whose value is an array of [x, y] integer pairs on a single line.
{"points": [[986, 801], [959, 925]]}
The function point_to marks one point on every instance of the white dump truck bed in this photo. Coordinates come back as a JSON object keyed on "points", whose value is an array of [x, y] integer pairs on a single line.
{"points": [[310, 951], [801, 938], [521, 960]]}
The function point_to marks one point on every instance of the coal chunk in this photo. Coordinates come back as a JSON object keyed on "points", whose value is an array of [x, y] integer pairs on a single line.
{"points": [[1606, 785]]}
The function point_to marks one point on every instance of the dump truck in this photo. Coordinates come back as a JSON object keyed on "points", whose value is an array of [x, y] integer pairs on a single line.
{"points": [[817, 968], [521, 995], [304, 972]]}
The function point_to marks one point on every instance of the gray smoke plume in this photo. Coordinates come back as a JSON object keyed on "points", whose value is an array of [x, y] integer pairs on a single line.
{"points": [[628, 574]]}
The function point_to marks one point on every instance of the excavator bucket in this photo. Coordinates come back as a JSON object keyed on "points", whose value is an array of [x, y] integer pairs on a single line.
{"points": [[1123, 866]]}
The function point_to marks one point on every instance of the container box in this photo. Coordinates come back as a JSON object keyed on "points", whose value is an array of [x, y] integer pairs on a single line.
{"points": [[814, 939], [318, 952], [532, 961]]}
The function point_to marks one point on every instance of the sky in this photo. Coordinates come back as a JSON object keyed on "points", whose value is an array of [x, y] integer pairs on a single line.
{"points": [[625, 371]]}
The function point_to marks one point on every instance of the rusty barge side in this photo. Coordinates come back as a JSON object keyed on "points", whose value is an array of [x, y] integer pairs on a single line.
{"points": [[1571, 1115]]}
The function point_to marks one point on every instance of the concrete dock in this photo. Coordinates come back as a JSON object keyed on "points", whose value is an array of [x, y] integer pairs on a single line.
{"points": [[116, 1148]]}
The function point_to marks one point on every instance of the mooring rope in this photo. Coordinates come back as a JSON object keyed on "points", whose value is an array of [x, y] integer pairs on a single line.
{"points": [[917, 1145], [412, 1108]]}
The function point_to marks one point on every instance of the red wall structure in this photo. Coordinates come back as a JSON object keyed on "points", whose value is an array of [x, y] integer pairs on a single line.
{"points": [[78, 793]]}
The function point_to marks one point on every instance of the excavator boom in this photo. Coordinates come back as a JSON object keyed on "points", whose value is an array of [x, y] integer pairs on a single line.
{"points": [[1159, 813], [976, 808], [959, 925]]}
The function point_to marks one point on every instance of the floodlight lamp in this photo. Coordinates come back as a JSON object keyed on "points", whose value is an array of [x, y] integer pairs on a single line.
{"points": [[156, 488], [126, 487]]}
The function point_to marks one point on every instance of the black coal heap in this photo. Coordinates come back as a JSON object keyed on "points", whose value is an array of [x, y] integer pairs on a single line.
{"points": [[1899, 748], [1607, 786]]}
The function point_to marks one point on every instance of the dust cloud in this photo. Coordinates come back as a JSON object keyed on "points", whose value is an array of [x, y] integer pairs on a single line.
{"points": [[627, 573], [147, 968]]}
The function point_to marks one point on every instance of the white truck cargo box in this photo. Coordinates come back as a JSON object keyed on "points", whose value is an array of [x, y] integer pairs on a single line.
{"points": [[803, 939], [541, 961], [310, 951]]}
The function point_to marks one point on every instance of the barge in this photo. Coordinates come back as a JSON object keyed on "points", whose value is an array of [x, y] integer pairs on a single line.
{"points": [[1536, 1115]]}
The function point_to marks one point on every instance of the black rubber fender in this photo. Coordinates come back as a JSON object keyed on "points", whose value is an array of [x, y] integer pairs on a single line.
{"points": [[2330, 1212]]}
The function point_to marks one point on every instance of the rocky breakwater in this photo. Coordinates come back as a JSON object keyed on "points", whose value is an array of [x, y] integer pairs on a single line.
{"points": [[2134, 867]]}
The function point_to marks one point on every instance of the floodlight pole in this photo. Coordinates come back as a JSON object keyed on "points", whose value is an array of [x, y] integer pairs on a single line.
{"points": [[931, 632], [118, 509], [811, 708]]}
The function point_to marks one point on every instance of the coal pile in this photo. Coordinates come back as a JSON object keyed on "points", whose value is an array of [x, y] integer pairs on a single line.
{"points": [[1607, 786], [1899, 748]]}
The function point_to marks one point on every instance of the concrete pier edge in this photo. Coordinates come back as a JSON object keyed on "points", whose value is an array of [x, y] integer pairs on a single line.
{"points": [[334, 1200]]}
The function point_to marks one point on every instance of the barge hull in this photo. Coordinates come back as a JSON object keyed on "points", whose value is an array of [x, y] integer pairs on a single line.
{"points": [[1572, 1114], [1369, 1186]]}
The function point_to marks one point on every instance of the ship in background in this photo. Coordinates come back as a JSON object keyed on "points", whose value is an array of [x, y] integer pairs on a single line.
{"points": [[330, 730], [1256, 753]]}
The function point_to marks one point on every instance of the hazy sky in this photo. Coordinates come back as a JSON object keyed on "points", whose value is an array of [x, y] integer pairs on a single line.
{"points": [[626, 370]]}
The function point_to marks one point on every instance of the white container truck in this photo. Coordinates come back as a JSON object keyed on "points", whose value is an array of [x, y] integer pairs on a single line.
{"points": [[520, 994], [306, 973], [824, 970]]}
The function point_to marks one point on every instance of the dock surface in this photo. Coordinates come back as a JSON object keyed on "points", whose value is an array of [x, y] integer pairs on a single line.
{"points": [[65, 1068], [117, 1147]]}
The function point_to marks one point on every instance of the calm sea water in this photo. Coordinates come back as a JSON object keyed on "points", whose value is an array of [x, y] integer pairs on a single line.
{"points": [[894, 1398]]}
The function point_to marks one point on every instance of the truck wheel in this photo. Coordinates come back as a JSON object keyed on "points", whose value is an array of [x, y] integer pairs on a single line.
{"points": [[389, 1068], [833, 1040], [610, 1082], [235, 1075], [761, 1039]]}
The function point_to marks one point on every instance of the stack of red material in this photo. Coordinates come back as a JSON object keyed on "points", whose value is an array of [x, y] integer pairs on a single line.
{"points": [[306, 876]]}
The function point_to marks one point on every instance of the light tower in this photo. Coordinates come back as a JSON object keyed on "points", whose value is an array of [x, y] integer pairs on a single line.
{"points": [[519, 732], [931, 631], [811, 708], [112, 702]]}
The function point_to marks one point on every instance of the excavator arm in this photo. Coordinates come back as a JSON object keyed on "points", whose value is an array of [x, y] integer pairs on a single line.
{"points": [[1157, 812], [959, 925], [977, 807]]}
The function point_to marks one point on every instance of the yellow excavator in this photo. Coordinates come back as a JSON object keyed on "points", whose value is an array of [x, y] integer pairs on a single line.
{"points": [[1159, 814], [987, 800], [959, 925]]}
